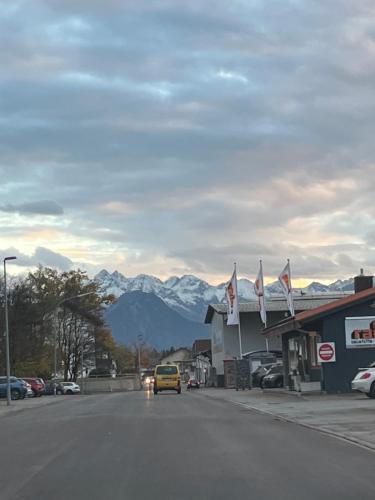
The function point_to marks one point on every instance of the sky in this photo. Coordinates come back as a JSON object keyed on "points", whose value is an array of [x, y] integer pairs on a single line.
{"points": [[172, 138]]}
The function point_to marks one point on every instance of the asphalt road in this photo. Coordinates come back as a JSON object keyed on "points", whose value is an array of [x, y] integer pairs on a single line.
{"points": [[172, 447]]}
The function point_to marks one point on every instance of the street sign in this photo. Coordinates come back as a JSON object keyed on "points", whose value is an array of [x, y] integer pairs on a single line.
{"points": [[326, 352]]}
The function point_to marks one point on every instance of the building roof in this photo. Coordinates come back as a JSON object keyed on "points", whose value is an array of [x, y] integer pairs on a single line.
{"points": [[301, 303], [307, 316]]}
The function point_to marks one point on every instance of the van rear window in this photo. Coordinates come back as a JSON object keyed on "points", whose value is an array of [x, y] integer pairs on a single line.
{"points": [[166, 370]]}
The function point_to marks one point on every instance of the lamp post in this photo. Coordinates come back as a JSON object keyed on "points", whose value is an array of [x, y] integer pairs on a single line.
{"points": [[140, 338], [7, 328], [67, 299]]}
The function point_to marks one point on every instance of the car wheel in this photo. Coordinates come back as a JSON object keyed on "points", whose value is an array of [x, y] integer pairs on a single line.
{"points": [[69, 392], [371, 394], [59, 391], [15, 394]]}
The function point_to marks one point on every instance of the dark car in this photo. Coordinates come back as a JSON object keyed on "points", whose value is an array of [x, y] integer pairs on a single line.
{"points": [[193, 384], [18, 388], [259, 373], [37, 386], [274, 377]]}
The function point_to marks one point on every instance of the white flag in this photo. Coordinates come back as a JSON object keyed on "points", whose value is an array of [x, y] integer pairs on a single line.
{"points": [[286, 284], [259, 291], [232, 301]]}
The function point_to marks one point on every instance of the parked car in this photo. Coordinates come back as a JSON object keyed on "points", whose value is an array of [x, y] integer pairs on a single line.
{"points": [[259, 373], [37, 386], [274, 377], [29, 393], [68, 388], [18, 388], [364, 381], [193, 384]]}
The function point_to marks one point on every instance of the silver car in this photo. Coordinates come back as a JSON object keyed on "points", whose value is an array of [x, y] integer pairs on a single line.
{"points": [[68, 388]]}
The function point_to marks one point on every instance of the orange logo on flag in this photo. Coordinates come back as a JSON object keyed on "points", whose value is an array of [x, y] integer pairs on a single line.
{"points": [[232, 296], [285, 278]]}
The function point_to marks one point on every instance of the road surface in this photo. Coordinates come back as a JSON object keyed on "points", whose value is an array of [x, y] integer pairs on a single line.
{"points": [[172, 447]]}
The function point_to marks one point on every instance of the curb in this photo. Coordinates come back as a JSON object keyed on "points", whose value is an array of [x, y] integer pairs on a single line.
{"points": [[291, 420]]}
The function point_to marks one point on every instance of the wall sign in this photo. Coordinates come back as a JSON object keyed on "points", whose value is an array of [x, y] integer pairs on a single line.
{"points": [[360, 332], [326, 352]]}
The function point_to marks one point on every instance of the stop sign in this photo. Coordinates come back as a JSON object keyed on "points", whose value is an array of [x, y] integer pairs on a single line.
{"points": [[326, 352]]}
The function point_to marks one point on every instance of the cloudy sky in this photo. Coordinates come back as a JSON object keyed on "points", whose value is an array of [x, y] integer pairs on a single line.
{"points": [[170, 137]]}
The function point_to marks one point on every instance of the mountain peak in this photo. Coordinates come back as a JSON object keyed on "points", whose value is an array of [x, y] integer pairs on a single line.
{"points": [[102, 275]]}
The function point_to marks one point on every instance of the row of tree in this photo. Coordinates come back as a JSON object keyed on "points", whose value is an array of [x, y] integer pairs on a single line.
{"points": [[58, 317]]}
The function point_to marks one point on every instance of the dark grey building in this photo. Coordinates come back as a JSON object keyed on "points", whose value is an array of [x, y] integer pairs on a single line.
{"points": [[348, 323]]}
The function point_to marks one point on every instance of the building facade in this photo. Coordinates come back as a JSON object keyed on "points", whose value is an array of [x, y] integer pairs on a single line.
{"points": [[344, 330], [225, 339]]}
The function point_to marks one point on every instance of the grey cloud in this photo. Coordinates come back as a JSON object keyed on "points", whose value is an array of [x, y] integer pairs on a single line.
{"points": [[42, 256], [193, 115], [36, 207], [49, 258]]}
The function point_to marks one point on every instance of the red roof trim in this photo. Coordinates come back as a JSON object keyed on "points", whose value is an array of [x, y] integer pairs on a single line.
{"points": [[337, 304], [312, 314]]}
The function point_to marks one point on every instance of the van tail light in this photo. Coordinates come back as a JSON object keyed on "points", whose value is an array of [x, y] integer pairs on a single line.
{"points": [[365, 376]]}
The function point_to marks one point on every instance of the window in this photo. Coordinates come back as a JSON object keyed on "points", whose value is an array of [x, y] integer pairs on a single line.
{"points": [[166, 370]]}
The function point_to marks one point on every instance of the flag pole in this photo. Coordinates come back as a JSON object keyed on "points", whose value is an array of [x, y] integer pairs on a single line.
{"points": [[239, 314], [264, 302], [291, 289]]}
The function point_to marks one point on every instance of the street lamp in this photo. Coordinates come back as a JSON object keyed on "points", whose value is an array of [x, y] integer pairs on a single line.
{"points": [[140, 338], [7, 328]]}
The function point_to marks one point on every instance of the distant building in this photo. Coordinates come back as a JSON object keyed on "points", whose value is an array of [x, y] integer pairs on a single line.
{"points": [[180, 357], [202, 360]]}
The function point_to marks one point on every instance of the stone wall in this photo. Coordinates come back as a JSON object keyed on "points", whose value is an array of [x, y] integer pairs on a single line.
{"points": [[118, 384]]}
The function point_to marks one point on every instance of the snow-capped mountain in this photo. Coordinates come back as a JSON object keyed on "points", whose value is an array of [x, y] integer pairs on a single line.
{"points": [[190, 296]]}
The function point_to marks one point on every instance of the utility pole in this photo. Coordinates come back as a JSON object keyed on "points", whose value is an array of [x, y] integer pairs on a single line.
{"points": [[83, 390], [139, 353], [7, 329], [139, 337]]}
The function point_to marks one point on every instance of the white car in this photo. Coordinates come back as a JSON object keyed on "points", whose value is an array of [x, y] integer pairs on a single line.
{"points": [[68, 388], [364, 381], [29, 393]]}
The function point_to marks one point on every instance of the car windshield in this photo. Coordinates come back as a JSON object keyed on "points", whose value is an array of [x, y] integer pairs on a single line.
{"points": [[275, 369], [166, 370]]}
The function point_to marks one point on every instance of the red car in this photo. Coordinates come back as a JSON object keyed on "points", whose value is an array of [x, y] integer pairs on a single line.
{"points": [[37, 385]]}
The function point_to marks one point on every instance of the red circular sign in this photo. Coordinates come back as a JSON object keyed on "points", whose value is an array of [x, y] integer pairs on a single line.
{"points": [[326, 352]]}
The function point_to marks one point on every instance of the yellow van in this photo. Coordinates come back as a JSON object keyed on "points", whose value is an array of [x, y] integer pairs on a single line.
{"points": [[167, 378]]}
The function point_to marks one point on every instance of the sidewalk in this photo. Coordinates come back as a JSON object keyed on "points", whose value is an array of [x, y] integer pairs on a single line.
{"points": [[348, 416], [27, 404]]}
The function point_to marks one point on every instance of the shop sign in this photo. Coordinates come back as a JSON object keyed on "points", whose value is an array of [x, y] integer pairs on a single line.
{"points": [[326, 352], [360, 332]]}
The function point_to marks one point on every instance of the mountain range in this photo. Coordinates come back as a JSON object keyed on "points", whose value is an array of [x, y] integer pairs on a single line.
{"points": [[139, 316], [189, 295]]}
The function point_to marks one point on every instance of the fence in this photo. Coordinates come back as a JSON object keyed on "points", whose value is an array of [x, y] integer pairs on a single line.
{"points": [[118, 384]]}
